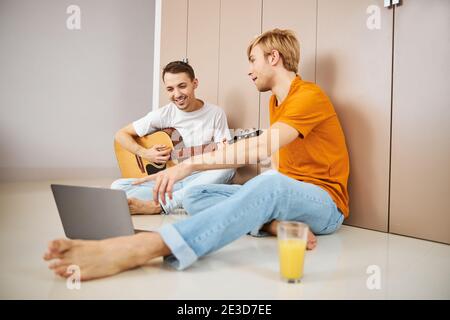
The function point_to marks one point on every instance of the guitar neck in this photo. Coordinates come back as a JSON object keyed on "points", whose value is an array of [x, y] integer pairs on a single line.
{"points": [[187, 152]]}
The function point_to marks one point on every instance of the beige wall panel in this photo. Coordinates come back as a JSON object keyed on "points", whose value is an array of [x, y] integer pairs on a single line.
{"points": [[203, 46], [420, 172], [299, 16], [354, 69], [240, 22], [173, 36]]}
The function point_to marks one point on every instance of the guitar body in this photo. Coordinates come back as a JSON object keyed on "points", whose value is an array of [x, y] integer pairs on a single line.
{"points": [[132, 166]]}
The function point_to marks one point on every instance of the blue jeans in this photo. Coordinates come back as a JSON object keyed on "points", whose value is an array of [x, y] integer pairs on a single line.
{"points": [[221, 214], [145, 191]]}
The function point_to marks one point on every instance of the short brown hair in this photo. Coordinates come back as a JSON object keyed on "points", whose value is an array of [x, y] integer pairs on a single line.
{"points": [[284, 41], [179, 67]]}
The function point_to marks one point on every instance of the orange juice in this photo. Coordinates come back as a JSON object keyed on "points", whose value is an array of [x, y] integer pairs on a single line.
{"points": [[292, 253]]}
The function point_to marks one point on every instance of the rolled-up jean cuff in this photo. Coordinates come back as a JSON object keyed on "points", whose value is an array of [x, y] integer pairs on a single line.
{"points": [[182, 255]]}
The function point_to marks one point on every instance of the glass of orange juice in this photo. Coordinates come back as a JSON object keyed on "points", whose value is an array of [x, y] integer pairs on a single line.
{"points": [[292, 237]]}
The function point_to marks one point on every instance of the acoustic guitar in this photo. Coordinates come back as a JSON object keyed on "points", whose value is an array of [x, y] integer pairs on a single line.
{"points": [[134, 166]]}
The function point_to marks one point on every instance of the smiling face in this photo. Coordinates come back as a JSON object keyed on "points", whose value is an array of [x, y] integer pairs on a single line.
{"points": [[260, 70], [180, 90]]}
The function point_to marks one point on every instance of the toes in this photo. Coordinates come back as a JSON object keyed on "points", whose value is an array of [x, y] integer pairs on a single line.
{"points": [[312, 241], [54, 264], [48, 256], [311, 245], [133, 200], [61, 268], [52, 252], [62, 271], [60, 245], [58, 264], [52, 255], [57, 248], [133, 209]]}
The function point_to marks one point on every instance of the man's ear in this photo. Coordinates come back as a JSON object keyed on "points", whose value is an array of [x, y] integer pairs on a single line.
{"points": [[195, 81], [274, 57]]}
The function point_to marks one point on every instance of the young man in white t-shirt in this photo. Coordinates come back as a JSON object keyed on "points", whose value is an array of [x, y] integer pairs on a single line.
{"points": [[197, 122]]}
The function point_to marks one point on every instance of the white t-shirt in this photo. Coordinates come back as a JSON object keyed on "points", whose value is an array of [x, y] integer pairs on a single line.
{"points": [[205, 125]]}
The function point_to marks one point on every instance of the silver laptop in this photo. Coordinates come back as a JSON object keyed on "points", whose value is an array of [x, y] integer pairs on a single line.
{"points": [[92, 213]]}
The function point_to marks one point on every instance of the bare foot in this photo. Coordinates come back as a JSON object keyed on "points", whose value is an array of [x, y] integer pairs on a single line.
{"points": [[271, 228], [143, 207], [97, 259]]}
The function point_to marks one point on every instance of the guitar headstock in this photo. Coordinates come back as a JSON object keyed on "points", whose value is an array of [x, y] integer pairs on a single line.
{"points": [[244, 134]]}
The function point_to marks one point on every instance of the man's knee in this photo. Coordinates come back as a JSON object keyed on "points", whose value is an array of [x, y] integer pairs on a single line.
{"points": [[271, 179], [121, 184]]}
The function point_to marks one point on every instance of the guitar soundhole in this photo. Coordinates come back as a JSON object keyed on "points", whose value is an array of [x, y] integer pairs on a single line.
{"points": [[152, 170]]}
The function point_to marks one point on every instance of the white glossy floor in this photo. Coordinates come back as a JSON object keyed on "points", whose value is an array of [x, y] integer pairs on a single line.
{"points": [[247, 269]]}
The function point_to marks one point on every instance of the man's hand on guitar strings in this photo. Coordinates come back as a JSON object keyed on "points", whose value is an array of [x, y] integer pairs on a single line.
{"points": [[158, 153]]}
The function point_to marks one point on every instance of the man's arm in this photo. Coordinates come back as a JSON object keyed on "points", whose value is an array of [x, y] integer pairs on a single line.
{"points": [[248, 151], [126, 138], [254, 149]]}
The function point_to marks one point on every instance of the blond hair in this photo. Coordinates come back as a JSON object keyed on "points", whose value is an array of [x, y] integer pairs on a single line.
{"points": [[284, 41]]}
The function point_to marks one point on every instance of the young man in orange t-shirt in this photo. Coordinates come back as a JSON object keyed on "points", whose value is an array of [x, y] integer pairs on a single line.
{"points": [[308, 185]]}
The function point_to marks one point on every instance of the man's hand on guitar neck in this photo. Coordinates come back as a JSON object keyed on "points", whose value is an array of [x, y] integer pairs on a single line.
{"points": [[159, 153], [164, 180]]}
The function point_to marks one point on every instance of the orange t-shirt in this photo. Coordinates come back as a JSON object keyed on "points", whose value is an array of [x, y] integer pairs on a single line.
{"points": [[319, 154]]}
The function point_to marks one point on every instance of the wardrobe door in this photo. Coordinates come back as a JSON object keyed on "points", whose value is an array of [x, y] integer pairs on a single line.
{"points": [[203, 46], [420, 177], [353, 66], [240, 22], [173, 37]]}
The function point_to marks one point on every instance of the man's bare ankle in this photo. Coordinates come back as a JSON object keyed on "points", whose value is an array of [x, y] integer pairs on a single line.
{"points": [[150, 246]]}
